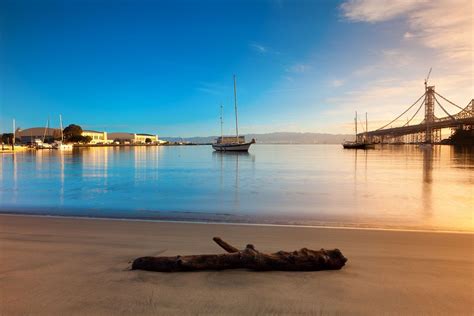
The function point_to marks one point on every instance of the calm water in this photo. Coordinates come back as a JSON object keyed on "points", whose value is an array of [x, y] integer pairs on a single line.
{"points": [[391, 186]]}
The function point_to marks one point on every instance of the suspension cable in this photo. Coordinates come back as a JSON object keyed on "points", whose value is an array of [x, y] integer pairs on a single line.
{"points": [[462, 109], [444, 109], [403, 112], [419, 108]]}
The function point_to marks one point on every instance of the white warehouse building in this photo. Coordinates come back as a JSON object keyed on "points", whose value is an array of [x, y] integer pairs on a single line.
{"points": [[134, 138]]}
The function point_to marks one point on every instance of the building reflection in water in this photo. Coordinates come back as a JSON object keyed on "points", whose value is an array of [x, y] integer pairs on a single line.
{"points": [[94, 165], [95, 162], [146, 162], [15, 177]]}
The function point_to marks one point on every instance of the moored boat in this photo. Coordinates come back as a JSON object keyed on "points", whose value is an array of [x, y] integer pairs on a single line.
{"points": [[356, 144], [232, 143], [233, 146], [59, 145]]}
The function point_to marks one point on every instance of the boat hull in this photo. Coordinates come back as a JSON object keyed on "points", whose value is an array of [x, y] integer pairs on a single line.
{"points": [[244, 147], [62, 146], [357, 146]]}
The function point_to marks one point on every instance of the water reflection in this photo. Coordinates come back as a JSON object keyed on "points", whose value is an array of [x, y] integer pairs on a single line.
{"points": [[426, 188], [390, 186]]}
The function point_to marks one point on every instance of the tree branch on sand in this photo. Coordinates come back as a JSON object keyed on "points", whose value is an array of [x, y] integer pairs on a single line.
{"points": [[248, 258]]}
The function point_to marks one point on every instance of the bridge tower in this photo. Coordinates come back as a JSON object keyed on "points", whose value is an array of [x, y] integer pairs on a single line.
{"points": [[429, 113]]}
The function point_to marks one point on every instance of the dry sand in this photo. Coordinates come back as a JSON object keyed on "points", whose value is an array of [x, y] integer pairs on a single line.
{"points": [[61, 266]]}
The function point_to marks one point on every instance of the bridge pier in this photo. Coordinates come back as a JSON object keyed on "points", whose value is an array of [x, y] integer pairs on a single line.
{"points": [[429, 113]]}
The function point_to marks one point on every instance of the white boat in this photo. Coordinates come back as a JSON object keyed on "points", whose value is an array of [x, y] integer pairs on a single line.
{"points": [[39, 144], [59, 145], [232, 143], [233, 146]]}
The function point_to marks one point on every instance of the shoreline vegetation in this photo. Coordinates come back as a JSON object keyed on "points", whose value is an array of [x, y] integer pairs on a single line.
{"points": [[65, 266]]}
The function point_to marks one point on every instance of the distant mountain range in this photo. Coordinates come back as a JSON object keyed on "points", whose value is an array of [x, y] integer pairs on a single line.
{"points": [[274, 138]]}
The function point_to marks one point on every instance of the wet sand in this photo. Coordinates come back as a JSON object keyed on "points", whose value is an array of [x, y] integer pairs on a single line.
{"points": [[63, 266]]}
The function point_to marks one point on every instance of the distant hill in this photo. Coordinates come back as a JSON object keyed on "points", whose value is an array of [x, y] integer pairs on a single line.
{"points": [[275, 138]]}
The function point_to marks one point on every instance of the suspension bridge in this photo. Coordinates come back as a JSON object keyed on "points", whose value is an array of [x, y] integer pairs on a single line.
{"points": [[429, 129]]}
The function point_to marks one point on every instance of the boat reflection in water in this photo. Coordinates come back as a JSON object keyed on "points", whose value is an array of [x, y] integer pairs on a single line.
{"points": [[229, 169]]}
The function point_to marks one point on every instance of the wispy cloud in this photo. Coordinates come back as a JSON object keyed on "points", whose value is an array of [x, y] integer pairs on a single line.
{"points": [[378, 10], [445, 25], [298, 68], [211, 88], [337, 83], [259, 48], [433, 33], [408, 35]]}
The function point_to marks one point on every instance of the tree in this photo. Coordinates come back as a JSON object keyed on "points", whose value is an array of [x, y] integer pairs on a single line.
{"points": [[79, 139], [7, 138], [72, 133], [148, 140]]}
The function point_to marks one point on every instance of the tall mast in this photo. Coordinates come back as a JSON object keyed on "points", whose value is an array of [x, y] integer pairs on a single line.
{"points": [[14, 132], [236, 114], [222, 133], [366, 129], [45, 130], [61, 127], [355, 121]]}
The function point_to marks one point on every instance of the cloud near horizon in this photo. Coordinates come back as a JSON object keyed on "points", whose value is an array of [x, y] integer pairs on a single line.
{"points": [[436, 33]]}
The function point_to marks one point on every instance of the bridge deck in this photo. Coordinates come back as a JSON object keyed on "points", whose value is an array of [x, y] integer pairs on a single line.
{"points": [[413, 129]]}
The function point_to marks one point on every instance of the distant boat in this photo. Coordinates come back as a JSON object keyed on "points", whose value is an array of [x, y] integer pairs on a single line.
{"points": [[39, 144], [356, 144], [231, 143], [59, 144]]}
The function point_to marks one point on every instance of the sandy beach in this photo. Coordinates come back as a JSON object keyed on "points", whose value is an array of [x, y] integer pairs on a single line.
{"points": [[65, 266]]}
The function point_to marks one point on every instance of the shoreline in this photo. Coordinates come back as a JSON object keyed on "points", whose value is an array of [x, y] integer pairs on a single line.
{"points": [[211, 222], [70, 266]]}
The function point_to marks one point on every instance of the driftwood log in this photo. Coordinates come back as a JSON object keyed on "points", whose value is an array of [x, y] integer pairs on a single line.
{"points": [[249, 258]]}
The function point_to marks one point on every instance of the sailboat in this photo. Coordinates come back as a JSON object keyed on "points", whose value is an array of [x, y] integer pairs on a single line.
{"points": [[60, 144], [231, 143], [41, 143], [356, 144]]}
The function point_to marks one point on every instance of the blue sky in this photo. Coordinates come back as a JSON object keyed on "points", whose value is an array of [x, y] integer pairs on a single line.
{"points": [[165, 66]]}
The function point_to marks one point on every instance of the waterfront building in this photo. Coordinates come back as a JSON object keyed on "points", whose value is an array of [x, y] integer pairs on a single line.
{"points": [[29, 135], [134, 138], [97, 137]]}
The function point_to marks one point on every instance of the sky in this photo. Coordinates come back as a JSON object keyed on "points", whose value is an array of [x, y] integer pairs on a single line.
{"points": [[165, 67]]}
